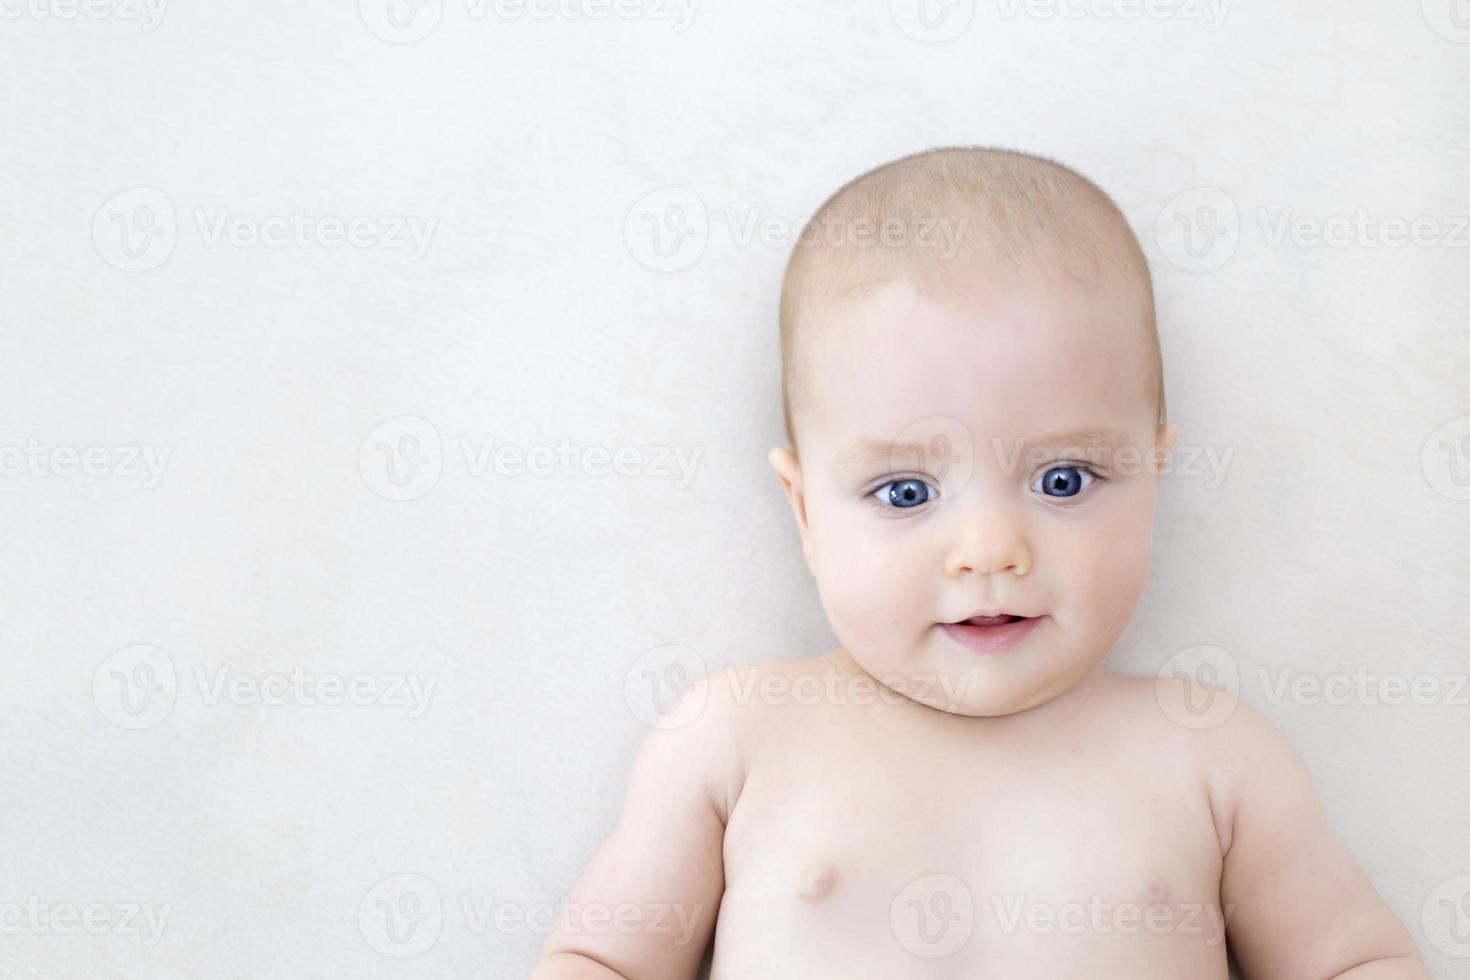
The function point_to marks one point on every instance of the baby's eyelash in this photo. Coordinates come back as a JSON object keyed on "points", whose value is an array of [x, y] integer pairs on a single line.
{"points": [[1087, 467], [877, 485]]}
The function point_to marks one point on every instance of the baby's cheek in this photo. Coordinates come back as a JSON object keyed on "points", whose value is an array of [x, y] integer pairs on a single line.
{"points": [[867, 592], [1110, 568]]}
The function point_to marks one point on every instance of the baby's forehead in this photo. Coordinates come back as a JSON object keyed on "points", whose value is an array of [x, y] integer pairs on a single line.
{"points": [[979, 326], [1020, 359]]}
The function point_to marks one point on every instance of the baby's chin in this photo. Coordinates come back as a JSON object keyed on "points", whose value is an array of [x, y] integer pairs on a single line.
{"points": [[967, 695], [976, 685]]}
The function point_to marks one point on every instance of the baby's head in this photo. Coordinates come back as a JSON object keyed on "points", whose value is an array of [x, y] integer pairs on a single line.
{"points": [[973, 395]]}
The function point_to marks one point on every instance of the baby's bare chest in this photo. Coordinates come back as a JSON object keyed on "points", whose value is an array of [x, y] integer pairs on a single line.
{"points": [[895, 856]]}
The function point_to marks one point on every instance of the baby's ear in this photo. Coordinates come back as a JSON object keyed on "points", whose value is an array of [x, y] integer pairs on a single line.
{"points": [[788, 471]]}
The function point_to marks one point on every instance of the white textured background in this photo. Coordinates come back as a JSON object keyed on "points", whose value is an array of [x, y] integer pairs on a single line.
{"points": [[538, 313]]}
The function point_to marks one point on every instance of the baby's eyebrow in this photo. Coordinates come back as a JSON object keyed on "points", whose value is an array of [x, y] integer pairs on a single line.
{"points": [[871, 451], [1107, 437], [863, 451]]}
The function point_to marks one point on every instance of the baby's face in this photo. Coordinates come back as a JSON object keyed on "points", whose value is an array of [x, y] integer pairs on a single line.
{"points": [[944, 473]]}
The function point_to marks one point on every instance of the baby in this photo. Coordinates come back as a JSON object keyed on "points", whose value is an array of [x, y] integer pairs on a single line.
{"points": [[961, 788]]}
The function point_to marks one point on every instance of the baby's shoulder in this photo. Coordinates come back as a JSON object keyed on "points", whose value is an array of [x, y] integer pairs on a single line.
{"points": [[1210, 732], [721, 721], [1190, 711], [724, 692], [1203, 719], [747, 695]]}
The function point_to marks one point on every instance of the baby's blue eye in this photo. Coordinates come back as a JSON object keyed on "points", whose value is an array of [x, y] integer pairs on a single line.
{"points": [[1065, 481], [905, 494]]}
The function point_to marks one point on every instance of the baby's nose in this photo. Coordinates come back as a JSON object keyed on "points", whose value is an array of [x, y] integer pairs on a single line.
{"points": [[988, 544]]}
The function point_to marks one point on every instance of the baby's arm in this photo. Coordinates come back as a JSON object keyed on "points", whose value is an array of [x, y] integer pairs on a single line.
{"points": [[1302, 906], [650, 895]]}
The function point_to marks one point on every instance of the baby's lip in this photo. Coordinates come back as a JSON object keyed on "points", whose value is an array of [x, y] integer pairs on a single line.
{"points": [[998, 636], [990, 617]]}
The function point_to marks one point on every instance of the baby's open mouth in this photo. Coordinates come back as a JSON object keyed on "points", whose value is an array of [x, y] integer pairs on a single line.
{"points": [[990, 620]]}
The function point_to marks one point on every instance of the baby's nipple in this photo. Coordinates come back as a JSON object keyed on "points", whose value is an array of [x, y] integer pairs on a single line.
{"points": [[817, 880], [1156, 890]]}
